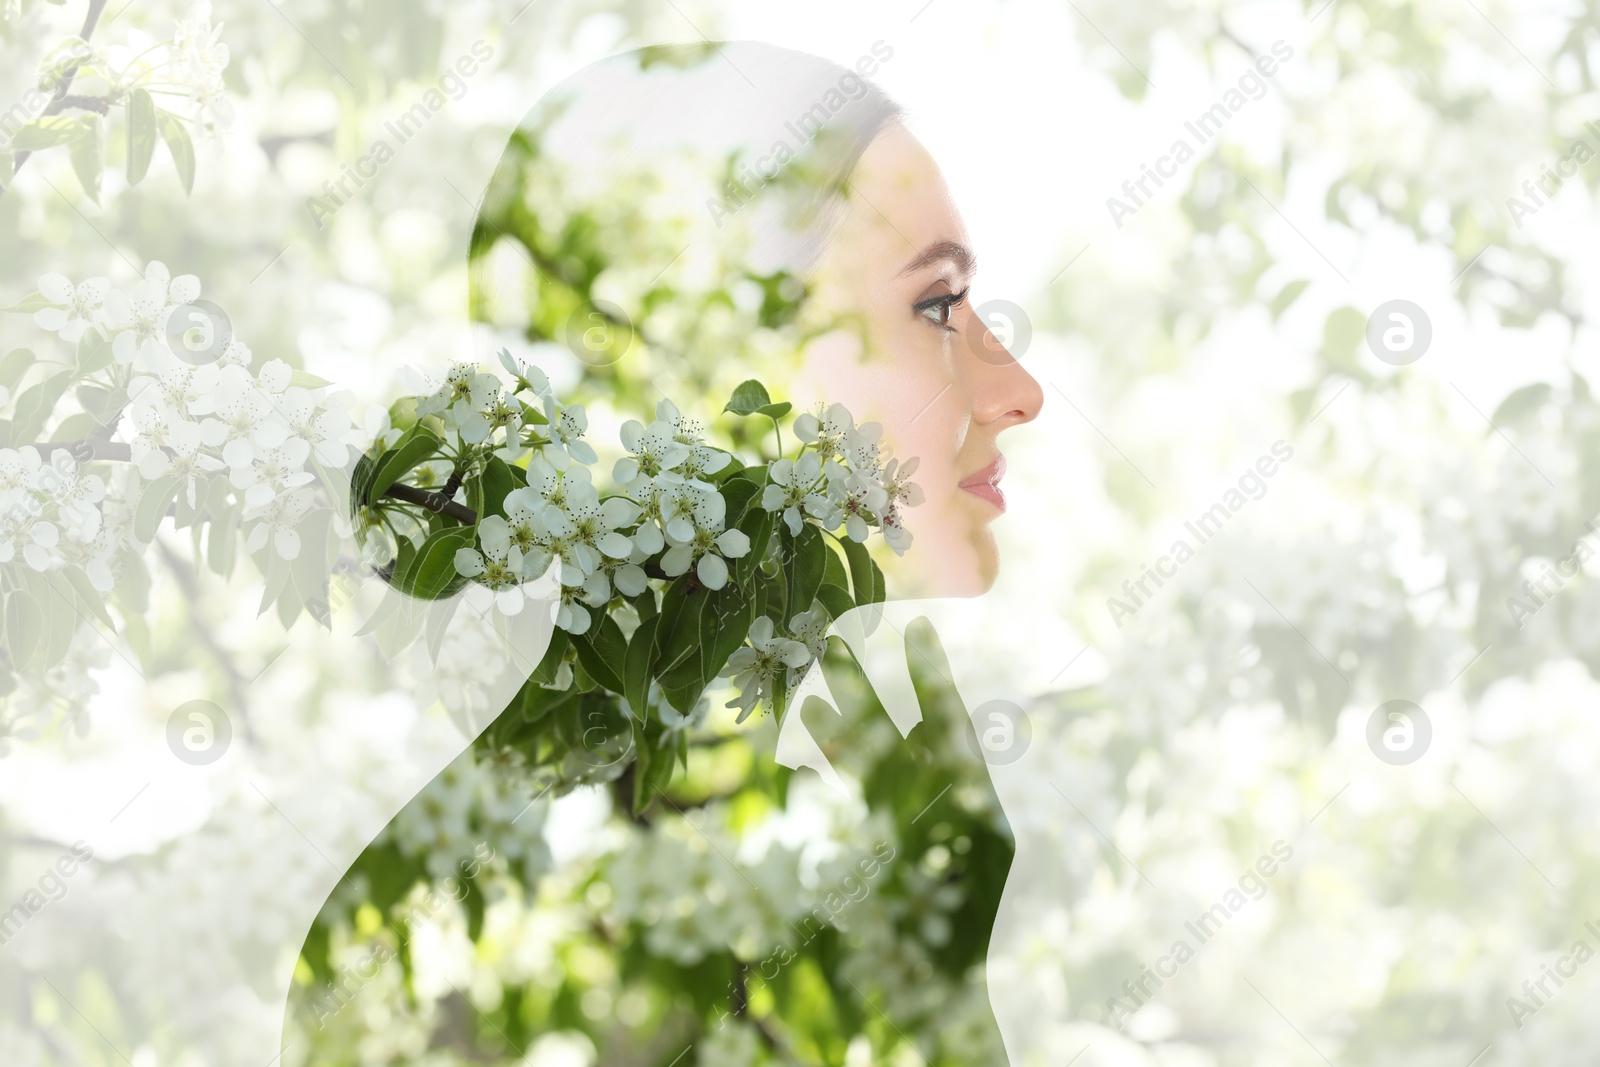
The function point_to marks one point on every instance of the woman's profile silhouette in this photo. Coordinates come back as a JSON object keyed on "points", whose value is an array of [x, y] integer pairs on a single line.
{"points": [[679, 220]]}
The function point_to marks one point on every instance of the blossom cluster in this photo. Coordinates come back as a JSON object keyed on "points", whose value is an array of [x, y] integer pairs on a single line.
{"points": [[840, 477], [50, 514], [187, 421], [198, 58], [664, 517], [664, 504]]}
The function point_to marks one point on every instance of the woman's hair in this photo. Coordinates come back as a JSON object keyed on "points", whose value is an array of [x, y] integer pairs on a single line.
{"points": [[742, 147]]}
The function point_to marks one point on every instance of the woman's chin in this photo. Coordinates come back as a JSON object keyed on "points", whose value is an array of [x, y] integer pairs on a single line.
{"points": [[937, 567]]}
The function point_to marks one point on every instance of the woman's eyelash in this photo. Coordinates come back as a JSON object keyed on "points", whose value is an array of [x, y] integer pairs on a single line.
{"points": [[941, 304]]}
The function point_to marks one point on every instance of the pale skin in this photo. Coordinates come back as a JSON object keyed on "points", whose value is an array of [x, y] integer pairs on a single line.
{"points": [[914, 357]]}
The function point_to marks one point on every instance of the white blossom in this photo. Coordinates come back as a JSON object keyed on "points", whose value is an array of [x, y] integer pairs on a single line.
{"points": [[76, 308], [810, 628], [860, 499], [792, 489], [826, 432], [499, 566], [654, 453], [278, 521], [566, 427], [754, 666], [707, 550], [138, 319]]}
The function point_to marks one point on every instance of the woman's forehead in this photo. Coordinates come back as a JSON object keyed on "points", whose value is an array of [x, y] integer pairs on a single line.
{"points": [[899, 198]]}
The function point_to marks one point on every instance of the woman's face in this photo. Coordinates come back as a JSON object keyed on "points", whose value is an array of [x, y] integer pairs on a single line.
{"points": [[911, 354]]}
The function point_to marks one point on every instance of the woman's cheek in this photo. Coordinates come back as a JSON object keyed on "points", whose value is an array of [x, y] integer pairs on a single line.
{"points": [[901, 380], [914, 395]]}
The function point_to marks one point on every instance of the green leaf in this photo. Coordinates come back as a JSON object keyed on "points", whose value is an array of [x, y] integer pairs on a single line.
{"points": [[750, 397], [581, 682], [775, 411], [222, 542], [1522, 403], [25, 625], [178, 143], [545, 673], [757, 525], [94, 352], [645, 604], [1343, 334], [835, 600], [772, 596], [433, 574], [88, 597], [603, 651], [413, 448], [710, 636], [360, 481], [833, 572], [16, 362], [682, 688], [1288, 295], [652, 771], [307, 380], [738, 494], [35, 405], [636, 669], [60, 618], [495, 485], [679, 632], [102, 403], [438, 624], [733, 613], [29, 304], [89, 158], [537, 702], [75, 427], [866, 580], [141, 134], [807, 561], [152, 508], [48, 132]]}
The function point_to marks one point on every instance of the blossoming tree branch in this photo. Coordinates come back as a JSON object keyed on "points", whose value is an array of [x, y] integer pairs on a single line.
{"points": [[690, 564]]}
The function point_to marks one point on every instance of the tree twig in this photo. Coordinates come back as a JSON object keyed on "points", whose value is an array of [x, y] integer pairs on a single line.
{"points": [[59, 102], [98, 104], [85, 449], [435, 501]]}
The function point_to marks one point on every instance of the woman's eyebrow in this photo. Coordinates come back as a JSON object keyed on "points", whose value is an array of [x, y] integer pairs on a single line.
{"points": [[953, 251]]}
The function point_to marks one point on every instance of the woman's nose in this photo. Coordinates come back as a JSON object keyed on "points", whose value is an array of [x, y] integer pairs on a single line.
{"points": [[1002, 391]]}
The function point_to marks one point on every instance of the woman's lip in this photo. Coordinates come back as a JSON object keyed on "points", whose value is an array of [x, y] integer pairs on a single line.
{"points": [[985, 484]]}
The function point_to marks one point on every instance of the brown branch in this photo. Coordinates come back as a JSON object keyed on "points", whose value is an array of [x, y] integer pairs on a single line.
{"points": [[435, 501], [85, 449], [59, 103], [99, 104]]}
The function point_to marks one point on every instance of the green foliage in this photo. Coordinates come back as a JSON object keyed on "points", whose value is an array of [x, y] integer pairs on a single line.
{"points": [[176, 136], [142, 133]]}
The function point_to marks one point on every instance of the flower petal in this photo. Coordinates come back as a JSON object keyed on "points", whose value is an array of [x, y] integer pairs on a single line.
{"points": [[733, 543], [677, 560], [56, 288], [712, 571]]}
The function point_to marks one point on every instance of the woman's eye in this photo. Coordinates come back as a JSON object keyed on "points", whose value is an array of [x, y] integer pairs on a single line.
{"points": [[938, 309]]}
